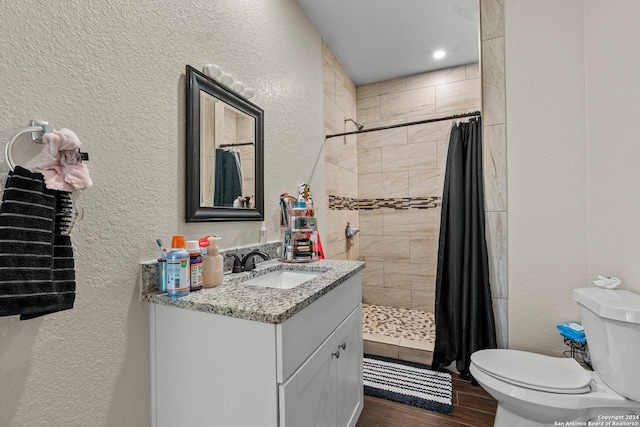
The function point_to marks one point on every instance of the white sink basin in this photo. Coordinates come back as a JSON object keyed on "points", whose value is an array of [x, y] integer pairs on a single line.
{"points": [[282, 279]]}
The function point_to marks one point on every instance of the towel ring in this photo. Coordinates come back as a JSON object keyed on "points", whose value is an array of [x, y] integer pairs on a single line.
{"points": [[38, 128]]}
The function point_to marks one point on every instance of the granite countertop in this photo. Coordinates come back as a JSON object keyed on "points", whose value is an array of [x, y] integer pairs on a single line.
{"points": [[268, 305]]}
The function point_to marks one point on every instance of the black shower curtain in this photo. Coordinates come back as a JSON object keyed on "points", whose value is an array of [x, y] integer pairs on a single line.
{"points": [[463, 310], [228, 180]]}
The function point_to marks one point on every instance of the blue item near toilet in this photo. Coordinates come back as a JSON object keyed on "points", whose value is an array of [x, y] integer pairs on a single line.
{"points": [[573, 331]]}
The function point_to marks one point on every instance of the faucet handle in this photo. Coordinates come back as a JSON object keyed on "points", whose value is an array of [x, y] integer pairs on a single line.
{"points": [[237, 266]]}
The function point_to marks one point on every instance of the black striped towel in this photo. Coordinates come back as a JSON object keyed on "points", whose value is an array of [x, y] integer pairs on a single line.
{"points": [[37, 273]]}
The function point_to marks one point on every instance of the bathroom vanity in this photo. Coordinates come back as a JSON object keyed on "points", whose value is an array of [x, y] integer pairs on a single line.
{"points": [[248, 354]]}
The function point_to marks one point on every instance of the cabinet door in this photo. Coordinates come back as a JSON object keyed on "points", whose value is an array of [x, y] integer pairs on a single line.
{"points": [[308, 398], [349, 389]]}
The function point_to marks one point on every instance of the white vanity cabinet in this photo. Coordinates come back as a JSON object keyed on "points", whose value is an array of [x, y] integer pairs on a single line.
{"points": [[224, 371], [327, 389]]}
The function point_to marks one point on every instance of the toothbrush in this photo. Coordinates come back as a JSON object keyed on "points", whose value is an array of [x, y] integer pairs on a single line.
{"points": [[162, 250]]}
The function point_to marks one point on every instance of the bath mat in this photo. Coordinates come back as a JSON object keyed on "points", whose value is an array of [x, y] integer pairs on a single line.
{"points": [[406, 382]]}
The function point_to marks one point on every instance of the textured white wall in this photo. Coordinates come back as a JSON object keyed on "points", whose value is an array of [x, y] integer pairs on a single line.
{"points": [[613, 139], [114, 73], [546, 155]]}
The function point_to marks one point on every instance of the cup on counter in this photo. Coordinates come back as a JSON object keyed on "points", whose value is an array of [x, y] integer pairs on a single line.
{"points": [[161, 275]]}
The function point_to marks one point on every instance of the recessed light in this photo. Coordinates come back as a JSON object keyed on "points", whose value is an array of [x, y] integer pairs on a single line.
{"points": [[439, 54]]}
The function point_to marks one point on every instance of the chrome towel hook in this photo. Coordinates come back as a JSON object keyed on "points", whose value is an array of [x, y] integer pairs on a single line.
{"points": [[38, 128]]}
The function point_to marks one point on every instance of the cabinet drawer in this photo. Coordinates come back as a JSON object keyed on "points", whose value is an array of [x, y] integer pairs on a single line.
{"points": [[300, 335]]}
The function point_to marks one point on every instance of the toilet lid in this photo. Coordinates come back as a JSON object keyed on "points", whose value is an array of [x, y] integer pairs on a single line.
{"points": [[534, 371]]}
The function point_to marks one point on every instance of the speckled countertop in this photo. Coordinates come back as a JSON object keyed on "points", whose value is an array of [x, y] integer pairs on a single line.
{"points": [[268, 305]]}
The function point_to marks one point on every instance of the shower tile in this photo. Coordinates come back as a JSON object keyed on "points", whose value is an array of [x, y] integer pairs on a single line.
{"points": [[492, 18], [433, 78], [380, 349], [420, 277], [370, 222], [335, 250], [497, 245], [423, 301], [399, 298], [472, 71], [381, 138], [339, 181], [409, 157], [373, 274], [369, 160], [341, 154], [412, 328], [416, 344], [328, 79], [494, 167], [443, 147], [399, 276], [345, 94], [374, 185], [333, 116], [382, 88], [424, 249], [384, 248], [383, 339], [454, 96], [493, 81], [424, 357], [409, 103], [428, 131], [500, 313], [335, 224], [410, 222], [368, 109], [328, 56], [426, 182]]}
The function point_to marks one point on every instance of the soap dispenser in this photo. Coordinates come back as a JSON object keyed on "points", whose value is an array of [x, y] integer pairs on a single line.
{"points": [[212, 265]]}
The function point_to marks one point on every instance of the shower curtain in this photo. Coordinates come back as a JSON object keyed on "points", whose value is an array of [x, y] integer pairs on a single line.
{"points": [[463, 310], [228, 178]]}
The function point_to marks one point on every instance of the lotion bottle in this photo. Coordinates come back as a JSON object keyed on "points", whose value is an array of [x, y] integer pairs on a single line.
{"points": [[212, 265]]}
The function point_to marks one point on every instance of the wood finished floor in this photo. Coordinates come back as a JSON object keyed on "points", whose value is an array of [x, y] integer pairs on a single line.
{"points": [[472, 406]]}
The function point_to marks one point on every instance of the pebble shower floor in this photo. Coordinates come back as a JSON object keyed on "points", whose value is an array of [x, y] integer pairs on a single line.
{"points": [[398, 322]]}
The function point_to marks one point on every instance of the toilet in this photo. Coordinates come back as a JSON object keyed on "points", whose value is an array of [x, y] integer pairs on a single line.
{"points": [[538, 390]]}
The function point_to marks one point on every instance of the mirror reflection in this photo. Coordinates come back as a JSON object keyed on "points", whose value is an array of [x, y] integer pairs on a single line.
{"points": [[227, 144], [225, 153]]}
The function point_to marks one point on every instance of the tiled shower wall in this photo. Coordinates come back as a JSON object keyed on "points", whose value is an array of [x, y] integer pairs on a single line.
{"points": [[341, 173], [399, 241], [495, 157]]}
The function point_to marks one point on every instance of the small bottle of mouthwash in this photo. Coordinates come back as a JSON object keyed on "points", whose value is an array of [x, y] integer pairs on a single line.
{"points": [[178, 268]]}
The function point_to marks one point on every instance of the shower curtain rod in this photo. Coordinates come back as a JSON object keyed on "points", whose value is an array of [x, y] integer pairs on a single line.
{"points": [[455, 116], [234, 145]]}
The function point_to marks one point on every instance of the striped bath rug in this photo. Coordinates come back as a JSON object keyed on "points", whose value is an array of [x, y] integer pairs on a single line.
{"points": [[409, 383]]}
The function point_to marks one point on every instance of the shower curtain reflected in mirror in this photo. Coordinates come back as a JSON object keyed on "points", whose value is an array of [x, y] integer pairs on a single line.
{"points": [[463, 309], [228, 181]]}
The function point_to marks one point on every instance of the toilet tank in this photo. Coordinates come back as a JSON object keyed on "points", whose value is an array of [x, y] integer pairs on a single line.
{"points": [[611, 321]]}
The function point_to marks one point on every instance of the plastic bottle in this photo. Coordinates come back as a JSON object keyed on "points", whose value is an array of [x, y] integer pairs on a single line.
{"points": [[195, 264], [212, 265], [178, 282], [263, 233]]}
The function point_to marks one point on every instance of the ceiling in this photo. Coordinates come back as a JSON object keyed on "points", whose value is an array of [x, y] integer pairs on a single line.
{"points": [[378, 40]]}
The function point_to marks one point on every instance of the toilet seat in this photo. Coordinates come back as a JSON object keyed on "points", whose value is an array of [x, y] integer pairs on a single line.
{"points": [[534, 371]]}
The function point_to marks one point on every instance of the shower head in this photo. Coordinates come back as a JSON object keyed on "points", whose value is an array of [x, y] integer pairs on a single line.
{"points": [[360, 126]]}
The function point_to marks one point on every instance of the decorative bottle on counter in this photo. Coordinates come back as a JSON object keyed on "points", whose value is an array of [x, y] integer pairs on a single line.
{"points": [[212, 265], [178, 282], [195, 264]]}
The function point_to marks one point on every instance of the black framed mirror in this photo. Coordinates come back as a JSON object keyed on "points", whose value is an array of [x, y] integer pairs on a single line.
{"points": [[225, 153]]}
